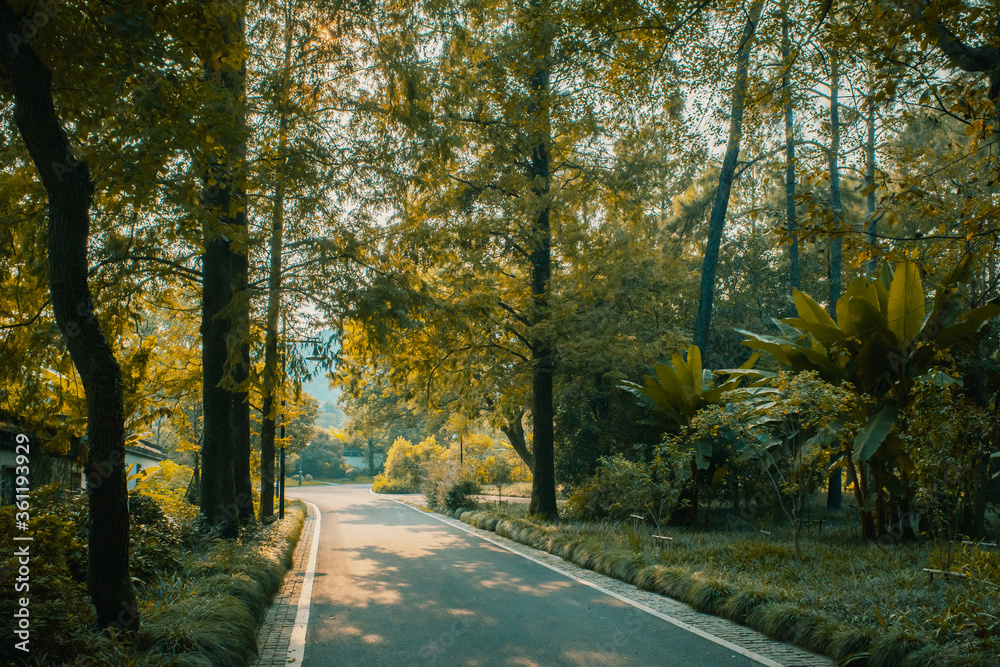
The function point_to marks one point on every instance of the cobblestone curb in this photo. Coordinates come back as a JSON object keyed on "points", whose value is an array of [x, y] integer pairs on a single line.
{"points": [[785, 654], [276, 631]]}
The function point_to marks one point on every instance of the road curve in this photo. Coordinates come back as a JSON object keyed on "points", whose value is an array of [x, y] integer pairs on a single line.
{"points": [[396, 587]]}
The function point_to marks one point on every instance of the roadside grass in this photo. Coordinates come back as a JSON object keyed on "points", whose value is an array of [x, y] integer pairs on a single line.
{"points": [[860, 604], [200, 599], [291, 482], [210, 613]]}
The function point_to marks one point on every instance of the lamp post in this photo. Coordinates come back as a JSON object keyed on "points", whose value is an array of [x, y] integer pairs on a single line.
{"points": [[315, 356]]}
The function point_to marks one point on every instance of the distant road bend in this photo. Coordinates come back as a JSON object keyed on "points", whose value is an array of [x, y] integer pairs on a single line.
{"points": [[396, 587]]}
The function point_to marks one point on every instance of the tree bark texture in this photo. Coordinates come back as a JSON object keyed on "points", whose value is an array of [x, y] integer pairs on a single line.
{"points": [[225, 495], [514, 431], [68, 185], [271, 379], [543, 483], [835, 260], [786, 85], [717, 221]]}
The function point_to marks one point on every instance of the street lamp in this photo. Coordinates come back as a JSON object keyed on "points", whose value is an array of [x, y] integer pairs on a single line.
{"points": [[317, 355]]}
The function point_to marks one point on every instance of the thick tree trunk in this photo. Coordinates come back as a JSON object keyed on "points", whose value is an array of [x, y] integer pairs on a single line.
{"points": [[218, 477], [222, 269], [69, 188], [786, 84], [241, 407], [543, 482], [270, 379], [717, 220], [833, 488]]}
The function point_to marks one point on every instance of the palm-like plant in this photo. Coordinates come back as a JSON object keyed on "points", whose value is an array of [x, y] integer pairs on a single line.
{"points": [[678, 390], [883, 339]]}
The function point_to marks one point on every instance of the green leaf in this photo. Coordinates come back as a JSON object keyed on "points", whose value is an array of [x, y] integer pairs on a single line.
{"points": [[694, 366], [906, 304], [885, 275], [862, 289], [941, 379], [869, 504], [874, 432], [682, 371], [866, 317], [883, 298], [826, 335], [702, 453], [971, 324], [809, 310], [765, 343]]}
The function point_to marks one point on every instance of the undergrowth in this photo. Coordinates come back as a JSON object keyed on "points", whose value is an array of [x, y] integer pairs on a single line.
{"points": [[201, 599]]}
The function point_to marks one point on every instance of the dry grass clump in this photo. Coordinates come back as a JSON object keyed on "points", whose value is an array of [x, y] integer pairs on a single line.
{"points": [[860, 604]]}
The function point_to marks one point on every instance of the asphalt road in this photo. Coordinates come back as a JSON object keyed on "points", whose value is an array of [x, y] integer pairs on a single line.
{"points": [[396, 587]]}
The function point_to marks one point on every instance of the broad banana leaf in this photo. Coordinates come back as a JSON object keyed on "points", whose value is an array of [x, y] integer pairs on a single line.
{"points": [[867, 442], [865, 316], [829, 336], [970, 325], [683, 371], [694, 367], [859, 288], [809, 310], [906, 303]]}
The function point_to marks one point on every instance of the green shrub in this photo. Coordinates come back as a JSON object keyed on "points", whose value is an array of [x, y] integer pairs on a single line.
{"points": [[459, 495], [199, 603], [447, 483], [384, 484], [622, 488], [60, 609]]}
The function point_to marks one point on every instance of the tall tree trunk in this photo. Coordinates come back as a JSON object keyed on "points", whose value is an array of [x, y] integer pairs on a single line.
{"points": [[270, 379], [834, 491], [786, 84], [871, 223], [241, 279], [69, 189], [835, 259], [221, 267], [241, 401], [543, 481], [717, 220]]}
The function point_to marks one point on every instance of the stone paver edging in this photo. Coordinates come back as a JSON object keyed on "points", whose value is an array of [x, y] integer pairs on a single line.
{"points": [[275, 636]]}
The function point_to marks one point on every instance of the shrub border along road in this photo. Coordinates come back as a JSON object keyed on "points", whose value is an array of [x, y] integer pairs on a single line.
{"points": [[218, 623], [847, 644]]}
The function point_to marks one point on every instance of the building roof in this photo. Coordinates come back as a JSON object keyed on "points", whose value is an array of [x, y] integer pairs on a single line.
{"points": [[146, 449]]}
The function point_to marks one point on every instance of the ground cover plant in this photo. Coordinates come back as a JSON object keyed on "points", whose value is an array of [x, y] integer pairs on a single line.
{"points": [[201, 599], [859, 603]]}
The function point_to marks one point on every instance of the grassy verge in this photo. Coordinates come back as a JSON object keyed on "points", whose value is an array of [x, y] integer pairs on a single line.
{"points": [[291, 482], [201, 600], [211, 613], [860, 604]]}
